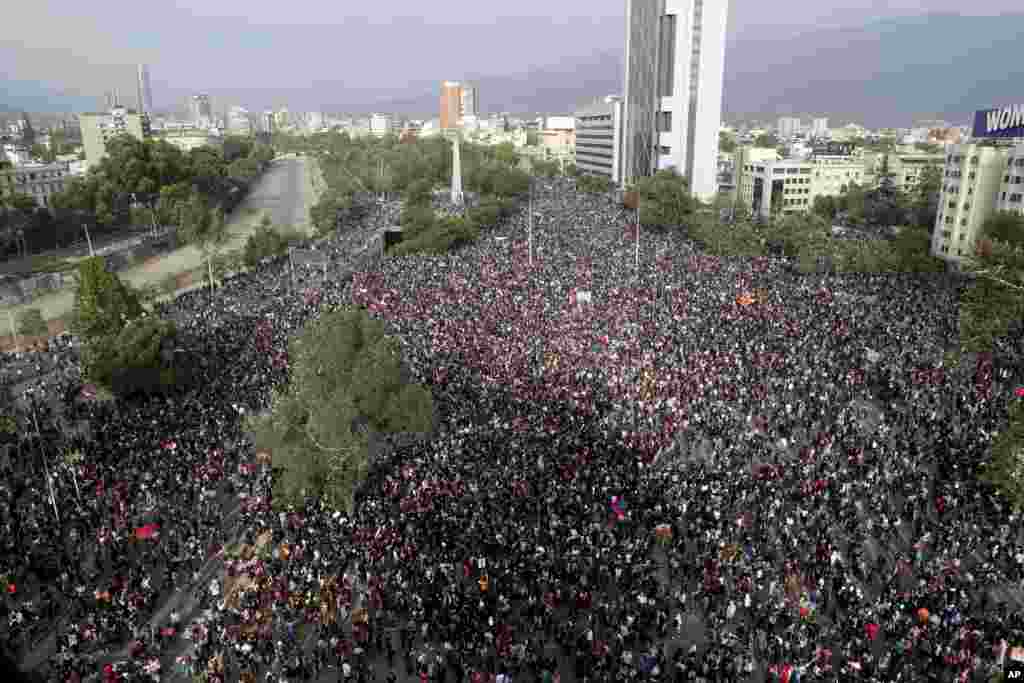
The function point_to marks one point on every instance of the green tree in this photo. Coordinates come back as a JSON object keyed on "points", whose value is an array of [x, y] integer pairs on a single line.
{"points": [[103, 304], [419, 192], [532, 138], [924, 198], [138, 358], [329, 209], [911, 252], [506, 154], [665, 200], [416, 219], [593, 184], [726, 142], [1006, 227], [1005, 466], [43, 153], [994, 301], [347, 388], [31, 323]]}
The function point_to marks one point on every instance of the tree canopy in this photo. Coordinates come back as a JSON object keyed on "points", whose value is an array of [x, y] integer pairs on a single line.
{"points": [[347, 387], [665, 200]]}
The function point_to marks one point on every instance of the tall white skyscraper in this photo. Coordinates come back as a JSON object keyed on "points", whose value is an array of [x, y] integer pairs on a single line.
{"points": [[788, 126], [675, 60], [819, 128], [145, 91]]}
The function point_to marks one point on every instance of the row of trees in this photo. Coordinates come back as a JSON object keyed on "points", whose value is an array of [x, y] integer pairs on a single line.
{"points": [[357, 169], [138, 182]]}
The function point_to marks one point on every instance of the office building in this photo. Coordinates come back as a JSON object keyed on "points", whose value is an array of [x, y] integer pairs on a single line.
{"points": [[144, 91], [200, 109], [675, 58], [186, 137], [819, 128], [469, 102], [451, 104], [239, 121], [599, 138], [973, 182], [98, 129], [788, 127], [745, 158], [786, 186], [379, 125], [39, 181], [906, 169]]}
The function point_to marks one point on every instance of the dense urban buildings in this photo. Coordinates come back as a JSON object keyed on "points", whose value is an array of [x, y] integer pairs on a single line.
{"points": [[144, 91], [675, 60], [599, 138], [100, 128], [38, 181]]}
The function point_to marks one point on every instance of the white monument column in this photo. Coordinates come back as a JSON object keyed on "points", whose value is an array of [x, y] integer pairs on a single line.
{"points": [[456, 172]]}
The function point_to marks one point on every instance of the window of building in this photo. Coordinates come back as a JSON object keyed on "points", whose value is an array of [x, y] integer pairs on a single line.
{"points": [[1004, 197], [1015, 197], [664, 150], [1006, 178], [945, 250], [946, 234], [664, 121], [778, 171], [962, 236], [963, 222], [667, 64]]}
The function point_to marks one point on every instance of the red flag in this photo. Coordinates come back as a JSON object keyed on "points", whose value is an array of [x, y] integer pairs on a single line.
{"points": [[871, 630], [146, 532]]}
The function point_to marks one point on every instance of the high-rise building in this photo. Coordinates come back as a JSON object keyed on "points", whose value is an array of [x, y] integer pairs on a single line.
{"points": [[99, 128], [819, 128], [469, 104], [200, 109], [144, 91], [675, 60], [599, 138], [788, 126], [974, 180], [451, 104]]}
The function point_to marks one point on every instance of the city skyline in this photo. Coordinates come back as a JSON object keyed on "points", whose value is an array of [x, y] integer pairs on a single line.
{"points": [[240, 71]]}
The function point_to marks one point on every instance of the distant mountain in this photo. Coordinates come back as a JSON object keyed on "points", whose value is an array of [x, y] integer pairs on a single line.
{"points": [[16, 96], [893, 72]]}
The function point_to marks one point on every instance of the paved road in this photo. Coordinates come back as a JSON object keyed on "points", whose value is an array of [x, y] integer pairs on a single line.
{"points": [[285, 192]]}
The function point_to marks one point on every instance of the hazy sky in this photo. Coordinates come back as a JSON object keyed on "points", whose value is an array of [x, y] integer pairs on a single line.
{"points": [[232, 47]]}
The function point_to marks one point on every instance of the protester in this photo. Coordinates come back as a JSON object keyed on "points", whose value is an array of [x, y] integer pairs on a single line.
{"points": [[714, 469]]}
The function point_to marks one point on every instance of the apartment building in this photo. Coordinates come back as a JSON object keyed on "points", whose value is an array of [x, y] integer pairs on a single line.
{"points": [[98, 129], [598, 146], [906, 168], [973, 183], [187, 138], [39, 181], [1011, 192]]}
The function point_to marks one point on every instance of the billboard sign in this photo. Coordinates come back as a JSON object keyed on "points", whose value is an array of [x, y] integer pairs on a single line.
{"points": [[1007, 122]]}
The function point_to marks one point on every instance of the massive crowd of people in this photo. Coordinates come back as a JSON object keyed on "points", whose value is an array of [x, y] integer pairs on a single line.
{"points": [[701, 469]]}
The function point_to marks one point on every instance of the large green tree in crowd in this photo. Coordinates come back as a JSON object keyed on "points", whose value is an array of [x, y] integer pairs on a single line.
{"points": [[347, 388]]}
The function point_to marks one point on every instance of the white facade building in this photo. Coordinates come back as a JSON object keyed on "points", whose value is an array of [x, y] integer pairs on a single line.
{"points": [[1011, 193], [788, 126], [973, 180], [819, 128], [380, 124], [599, 138], [675, 59]]}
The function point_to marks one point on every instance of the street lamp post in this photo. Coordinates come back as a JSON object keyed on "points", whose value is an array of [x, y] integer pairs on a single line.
{"points": [[88, 240]]}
